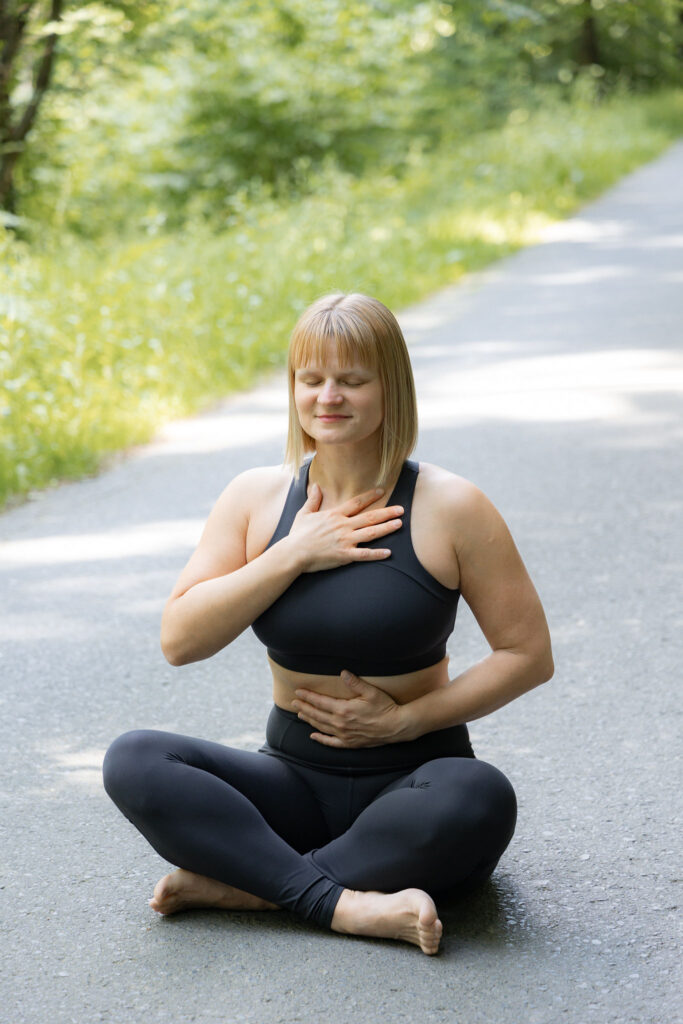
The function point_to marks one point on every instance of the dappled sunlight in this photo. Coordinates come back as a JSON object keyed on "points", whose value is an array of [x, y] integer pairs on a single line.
{"points": [[567, 387], [662, 242], [585, 275], [63, 765], [580, 229], [144, 539], [260, 415], [83, 767]]}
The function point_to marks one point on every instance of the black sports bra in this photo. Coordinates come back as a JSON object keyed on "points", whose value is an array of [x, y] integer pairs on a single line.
{"points": [[378, 618]]}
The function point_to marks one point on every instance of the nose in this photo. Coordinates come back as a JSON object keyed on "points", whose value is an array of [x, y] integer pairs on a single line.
{"points": [[329, 395]]}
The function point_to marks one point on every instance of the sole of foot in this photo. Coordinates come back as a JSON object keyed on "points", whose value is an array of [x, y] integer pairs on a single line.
{"points": [[409, 915]]}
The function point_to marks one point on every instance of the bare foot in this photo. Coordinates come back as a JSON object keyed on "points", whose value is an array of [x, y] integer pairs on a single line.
{"points": [[183, 890], [409, 915]]}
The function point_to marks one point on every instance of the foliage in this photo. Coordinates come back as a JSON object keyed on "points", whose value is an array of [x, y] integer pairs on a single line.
{"points": [[102, 341], [32, 32], [162, 114]]}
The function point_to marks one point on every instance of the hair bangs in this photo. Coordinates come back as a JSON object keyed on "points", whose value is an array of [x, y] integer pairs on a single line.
{"points": [[353, 339]]}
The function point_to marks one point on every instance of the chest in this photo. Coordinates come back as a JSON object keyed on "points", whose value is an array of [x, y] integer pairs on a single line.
{"points": [[430, 534]]}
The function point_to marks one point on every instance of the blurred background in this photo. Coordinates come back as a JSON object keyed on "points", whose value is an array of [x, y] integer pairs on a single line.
{"points": [[179, 180]]}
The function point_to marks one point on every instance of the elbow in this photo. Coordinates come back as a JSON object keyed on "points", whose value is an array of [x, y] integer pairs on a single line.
{"points": [[173, 649], [173, 653], [545, 665]]}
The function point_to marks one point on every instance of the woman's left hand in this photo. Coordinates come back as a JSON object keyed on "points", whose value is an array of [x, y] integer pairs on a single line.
{"points": [[368, 717]]}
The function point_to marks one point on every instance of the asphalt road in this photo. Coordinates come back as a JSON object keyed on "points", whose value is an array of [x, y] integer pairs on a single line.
{"points": [[553, 381]]}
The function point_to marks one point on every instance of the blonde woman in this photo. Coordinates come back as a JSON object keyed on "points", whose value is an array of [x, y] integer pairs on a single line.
{"points": [[366, 802]]}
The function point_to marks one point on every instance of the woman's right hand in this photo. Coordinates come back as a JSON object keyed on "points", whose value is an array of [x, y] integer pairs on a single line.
{"points": [[330, 538]]}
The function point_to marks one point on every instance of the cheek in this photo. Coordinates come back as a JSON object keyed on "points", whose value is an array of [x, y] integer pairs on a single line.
{"points": [[302, 399], [375, 403]]}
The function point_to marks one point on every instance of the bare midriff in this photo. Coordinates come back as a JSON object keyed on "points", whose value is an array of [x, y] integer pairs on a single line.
{"points": [[403, 688]]}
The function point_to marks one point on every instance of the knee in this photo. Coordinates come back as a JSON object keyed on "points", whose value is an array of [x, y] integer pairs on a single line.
{"points": [[481, 800], [492, 803], [124, 764]]}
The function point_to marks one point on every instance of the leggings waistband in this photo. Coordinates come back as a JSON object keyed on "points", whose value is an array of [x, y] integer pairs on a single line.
{"points": [[288, 738]]}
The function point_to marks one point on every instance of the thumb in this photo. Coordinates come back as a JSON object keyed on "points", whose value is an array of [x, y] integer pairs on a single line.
{"points": [[314, 498], [354, 683]]}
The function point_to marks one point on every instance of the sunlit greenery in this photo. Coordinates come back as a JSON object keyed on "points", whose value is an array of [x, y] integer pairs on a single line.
{"points": [[103, 345], [198, 171]]}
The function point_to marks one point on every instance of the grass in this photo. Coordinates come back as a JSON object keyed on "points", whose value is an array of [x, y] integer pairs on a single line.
{"points": [[102, 342]]}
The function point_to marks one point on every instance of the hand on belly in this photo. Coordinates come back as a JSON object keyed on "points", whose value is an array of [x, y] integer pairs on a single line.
{"points": [[367, 717]]}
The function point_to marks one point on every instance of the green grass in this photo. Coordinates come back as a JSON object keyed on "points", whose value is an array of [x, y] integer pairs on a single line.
{"points": [[101, 343]]}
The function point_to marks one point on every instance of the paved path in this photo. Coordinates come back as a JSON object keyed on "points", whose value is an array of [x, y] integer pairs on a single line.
{"points": [[554, 382]]}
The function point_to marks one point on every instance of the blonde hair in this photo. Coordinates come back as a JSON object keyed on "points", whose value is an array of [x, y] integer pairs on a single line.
{"points": [[365, 332]]}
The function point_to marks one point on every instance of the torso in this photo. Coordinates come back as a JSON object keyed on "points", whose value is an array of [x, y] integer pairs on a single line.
{"points": [[432, 536]]}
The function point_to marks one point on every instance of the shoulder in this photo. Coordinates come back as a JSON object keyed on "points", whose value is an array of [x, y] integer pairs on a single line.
{"points": [[460, 506], [449, 491], [251, 489]]}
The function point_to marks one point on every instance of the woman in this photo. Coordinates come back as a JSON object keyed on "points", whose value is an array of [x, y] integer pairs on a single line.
{"points": [[366, 800]]}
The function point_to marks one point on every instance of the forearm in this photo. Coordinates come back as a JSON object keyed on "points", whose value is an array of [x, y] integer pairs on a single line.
{"points": [[481, 689], [212, 613]]}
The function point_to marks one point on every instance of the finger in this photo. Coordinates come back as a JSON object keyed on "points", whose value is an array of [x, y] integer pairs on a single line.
{"points": [[377, 515], [368, 554], [318, 719], [360, 501], [372, 532], [327, 741], [318, 700], [315, 496], [355, 683]]}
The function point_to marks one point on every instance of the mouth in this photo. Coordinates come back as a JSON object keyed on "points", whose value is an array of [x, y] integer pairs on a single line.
{"points": [[331, 419]]}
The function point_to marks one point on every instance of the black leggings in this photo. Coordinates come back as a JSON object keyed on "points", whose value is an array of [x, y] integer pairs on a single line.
{"points": [[297, 822]]}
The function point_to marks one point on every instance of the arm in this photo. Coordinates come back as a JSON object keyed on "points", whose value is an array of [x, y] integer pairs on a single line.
{"points": [[496, 586], [219, 593]]}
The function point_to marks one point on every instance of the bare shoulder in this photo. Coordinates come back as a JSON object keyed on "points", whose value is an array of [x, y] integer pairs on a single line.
{"points": [[450, 492], [250, 490], [463, 508], [226, 539]]}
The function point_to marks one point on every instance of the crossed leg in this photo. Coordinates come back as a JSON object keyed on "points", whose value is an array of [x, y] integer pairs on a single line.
{"points": [[247, 832]]}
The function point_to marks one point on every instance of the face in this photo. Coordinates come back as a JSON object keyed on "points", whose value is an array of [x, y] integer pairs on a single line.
{"points": [[338, 404]]}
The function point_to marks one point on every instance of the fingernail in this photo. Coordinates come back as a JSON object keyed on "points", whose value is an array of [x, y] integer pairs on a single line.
{"points": [[379, 490], [346, 675]]}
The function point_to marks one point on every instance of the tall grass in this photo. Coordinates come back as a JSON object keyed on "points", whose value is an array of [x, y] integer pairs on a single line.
{"points": [[102, 342]]}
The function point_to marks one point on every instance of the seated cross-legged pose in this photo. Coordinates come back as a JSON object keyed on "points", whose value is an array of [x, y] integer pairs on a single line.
{"points": [[366, 801]]}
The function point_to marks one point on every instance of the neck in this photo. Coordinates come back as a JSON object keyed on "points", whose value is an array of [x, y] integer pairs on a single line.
{"points": [[343, 471]]}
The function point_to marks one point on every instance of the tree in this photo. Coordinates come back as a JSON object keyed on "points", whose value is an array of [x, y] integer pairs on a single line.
{"points": [[90, 39], [28, 33]]}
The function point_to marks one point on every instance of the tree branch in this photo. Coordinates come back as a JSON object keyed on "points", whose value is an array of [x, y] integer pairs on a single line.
{"points": [[42, 80]]}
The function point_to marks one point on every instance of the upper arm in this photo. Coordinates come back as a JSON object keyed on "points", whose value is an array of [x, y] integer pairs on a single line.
{"points": [[494, 581], [222, 546]]}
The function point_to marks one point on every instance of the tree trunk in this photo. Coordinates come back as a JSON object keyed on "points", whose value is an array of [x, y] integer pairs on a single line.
{"points": [[589, 51], [15, 125]]}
